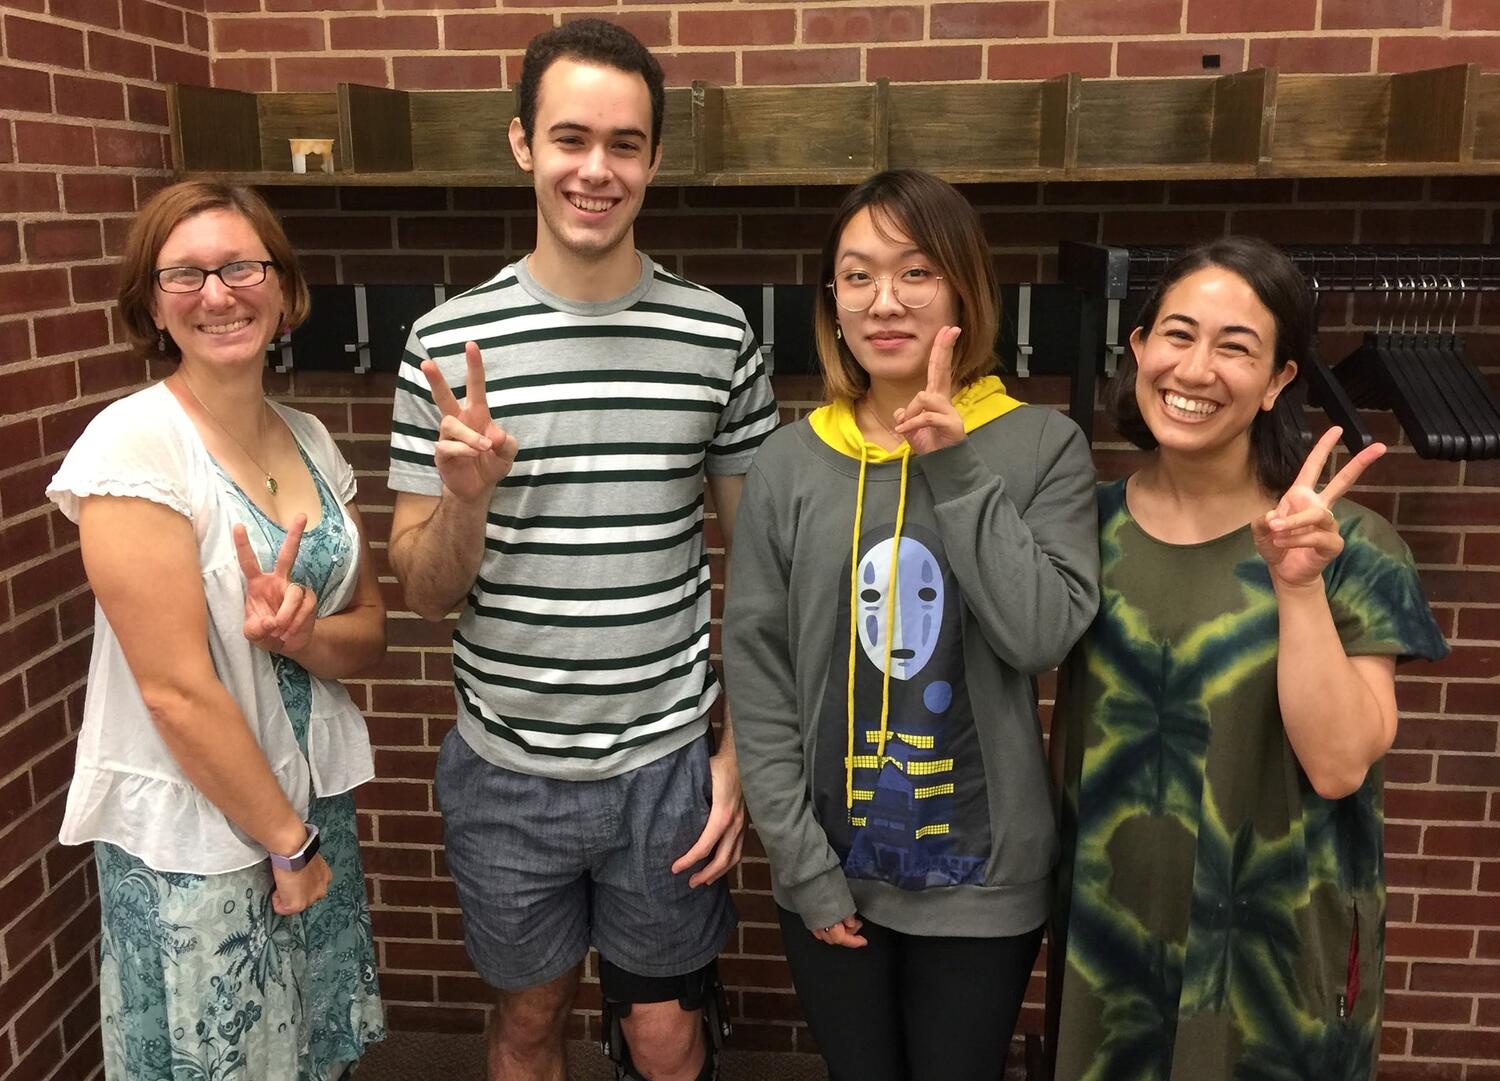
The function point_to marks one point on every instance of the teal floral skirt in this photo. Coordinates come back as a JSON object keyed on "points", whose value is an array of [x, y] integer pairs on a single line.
{"points": [[200, 980]]}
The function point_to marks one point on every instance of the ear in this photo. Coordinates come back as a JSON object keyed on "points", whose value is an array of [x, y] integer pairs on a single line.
{"points": [[1137, 339], [520, 148], [655, 162], [1279, 382]]}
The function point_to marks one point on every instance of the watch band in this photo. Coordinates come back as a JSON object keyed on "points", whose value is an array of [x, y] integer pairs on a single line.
{"points": [[300, 858]]}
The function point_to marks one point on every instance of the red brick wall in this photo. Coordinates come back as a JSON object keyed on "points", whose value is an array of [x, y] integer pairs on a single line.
{"points": [[310, 44], [82, 139]]}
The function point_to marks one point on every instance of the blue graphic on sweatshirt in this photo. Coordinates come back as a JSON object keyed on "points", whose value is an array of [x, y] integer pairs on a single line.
{"points": [[920, 813]]}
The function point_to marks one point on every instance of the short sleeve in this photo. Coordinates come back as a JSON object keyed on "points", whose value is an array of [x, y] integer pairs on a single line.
{"points": [[414, 426], [1375, 595], [332, 464], [125, 451], [749, 415]]}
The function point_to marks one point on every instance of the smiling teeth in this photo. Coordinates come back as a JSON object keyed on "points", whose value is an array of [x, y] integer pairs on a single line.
{"points": [[225, 328], [593, 205], [1191, 405]]}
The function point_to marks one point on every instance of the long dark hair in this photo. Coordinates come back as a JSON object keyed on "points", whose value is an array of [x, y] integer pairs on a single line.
{"points": [[1276, 444]]}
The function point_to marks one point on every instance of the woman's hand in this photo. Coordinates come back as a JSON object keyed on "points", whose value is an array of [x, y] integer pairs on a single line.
{"points": [[279, 613], [844, 933], [297, 891], [1300, 536], [929, 422]]}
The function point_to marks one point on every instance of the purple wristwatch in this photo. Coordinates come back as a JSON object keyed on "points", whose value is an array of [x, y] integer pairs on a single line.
{"points": [[300, 858]]}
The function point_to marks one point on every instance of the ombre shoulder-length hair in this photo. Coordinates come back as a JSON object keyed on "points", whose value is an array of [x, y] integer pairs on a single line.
{"points": [[940, 222]]}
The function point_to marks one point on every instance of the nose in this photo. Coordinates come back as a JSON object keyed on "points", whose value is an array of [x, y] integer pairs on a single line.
{"points": [[595, 168], [215, 292], [885, 297], [1197, 365]]}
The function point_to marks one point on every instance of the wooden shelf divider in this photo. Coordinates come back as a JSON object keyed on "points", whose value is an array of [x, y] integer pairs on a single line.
{"points": [[1433, 114], [375, 127], [1244, 118], [1444, 121]]}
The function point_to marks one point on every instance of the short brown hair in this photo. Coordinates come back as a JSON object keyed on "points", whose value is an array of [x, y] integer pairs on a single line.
{"points": [[162, 213], [941, 222]]}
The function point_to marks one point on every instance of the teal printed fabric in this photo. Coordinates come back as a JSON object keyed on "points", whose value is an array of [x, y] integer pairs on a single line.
{"points": [[1217, 918], [200, 980]]}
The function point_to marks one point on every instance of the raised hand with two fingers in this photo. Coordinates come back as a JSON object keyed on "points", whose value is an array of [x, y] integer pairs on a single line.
{"points": [[279, 613], [1300, 535], [472, 453], [930, 422]]}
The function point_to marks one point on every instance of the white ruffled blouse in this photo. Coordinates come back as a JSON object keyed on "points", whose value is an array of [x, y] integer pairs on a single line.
{"points": [[127, 788]]}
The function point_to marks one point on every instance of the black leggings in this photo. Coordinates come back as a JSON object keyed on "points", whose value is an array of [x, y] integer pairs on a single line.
{"points": [[910, 1007]]}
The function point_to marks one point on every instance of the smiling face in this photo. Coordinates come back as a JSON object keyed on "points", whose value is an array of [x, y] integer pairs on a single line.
{"points": [[891, 341], [217, 324], [590, 157], [1206, 369]]}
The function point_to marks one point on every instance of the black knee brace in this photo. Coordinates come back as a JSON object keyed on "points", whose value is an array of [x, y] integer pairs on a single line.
{"points": [[700, 990]]}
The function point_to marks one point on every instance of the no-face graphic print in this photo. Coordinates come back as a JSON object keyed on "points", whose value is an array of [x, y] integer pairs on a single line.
{"points": [[919, 815]]}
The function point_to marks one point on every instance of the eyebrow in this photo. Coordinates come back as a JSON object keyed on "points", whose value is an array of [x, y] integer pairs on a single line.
{"points": [[573, 125], [1231, 329], [905, 254]]}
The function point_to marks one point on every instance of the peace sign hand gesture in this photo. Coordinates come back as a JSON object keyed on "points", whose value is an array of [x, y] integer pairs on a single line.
{"points": [[279, 613], [1300, 536], [929, 422], [472, 453]]}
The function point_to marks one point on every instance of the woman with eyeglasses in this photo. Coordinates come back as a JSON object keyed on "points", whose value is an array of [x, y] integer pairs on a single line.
{"points": [[218, 751], [906, 560]]}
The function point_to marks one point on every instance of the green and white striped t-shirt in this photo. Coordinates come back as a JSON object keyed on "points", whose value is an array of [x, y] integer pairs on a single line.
{"points": [[582, 650]]}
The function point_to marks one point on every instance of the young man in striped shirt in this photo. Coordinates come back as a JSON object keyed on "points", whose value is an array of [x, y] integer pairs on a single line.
{"points": [[556, 498]]}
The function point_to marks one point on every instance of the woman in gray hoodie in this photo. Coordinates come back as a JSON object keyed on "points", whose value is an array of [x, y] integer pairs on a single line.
{"points": [[906, 560]]}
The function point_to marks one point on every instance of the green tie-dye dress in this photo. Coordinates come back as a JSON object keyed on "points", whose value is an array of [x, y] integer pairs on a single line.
{"points": [[1216, 918]]}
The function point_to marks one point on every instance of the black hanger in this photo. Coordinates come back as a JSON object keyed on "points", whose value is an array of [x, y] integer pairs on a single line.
{"points": [[1376, 376], [1435, 378], [1468, 385], [1325, 392]]}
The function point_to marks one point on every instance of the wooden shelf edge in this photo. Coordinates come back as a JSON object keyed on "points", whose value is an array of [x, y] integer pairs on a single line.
{"points": [[1318, 170]]}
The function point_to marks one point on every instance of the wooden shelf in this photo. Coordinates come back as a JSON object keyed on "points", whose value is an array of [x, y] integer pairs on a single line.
{"points": [[1444, 121]]}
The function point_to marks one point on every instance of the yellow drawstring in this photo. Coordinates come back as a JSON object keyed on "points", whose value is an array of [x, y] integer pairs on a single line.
{"points": [[890, 609], [859, 512], [890, 618]]}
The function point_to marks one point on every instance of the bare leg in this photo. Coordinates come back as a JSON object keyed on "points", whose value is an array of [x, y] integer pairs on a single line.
{"points": [[666, 1041], [526, 1029]]}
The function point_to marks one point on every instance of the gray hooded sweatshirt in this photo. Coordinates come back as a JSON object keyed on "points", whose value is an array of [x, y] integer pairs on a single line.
{"points": [[900, 775]]}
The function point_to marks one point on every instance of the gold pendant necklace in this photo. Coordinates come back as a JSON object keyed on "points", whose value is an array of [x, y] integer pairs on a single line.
{"points": [[271, 485], [875, 416]]}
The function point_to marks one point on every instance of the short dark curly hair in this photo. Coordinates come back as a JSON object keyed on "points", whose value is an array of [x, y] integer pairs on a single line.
{"points": [[589, 41]]}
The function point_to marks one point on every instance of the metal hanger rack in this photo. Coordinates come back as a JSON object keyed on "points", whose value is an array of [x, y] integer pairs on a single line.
{"points": [[1413, 363]]}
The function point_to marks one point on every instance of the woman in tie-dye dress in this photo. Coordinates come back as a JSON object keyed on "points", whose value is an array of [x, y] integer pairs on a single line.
{"points": [[1220, 729]]}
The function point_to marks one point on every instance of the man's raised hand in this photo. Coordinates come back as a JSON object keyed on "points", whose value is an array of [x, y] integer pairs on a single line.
{"points": [[472, 453]]}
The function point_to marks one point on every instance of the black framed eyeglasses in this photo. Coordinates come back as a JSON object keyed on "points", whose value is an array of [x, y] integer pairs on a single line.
{"points": [[240, 274], [913, 286]]}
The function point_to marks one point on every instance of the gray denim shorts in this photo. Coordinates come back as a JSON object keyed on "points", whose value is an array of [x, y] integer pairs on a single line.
{"points": [[546, 867]]}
